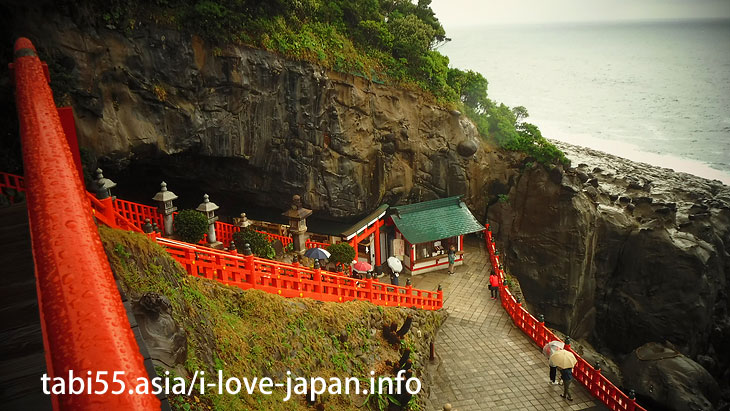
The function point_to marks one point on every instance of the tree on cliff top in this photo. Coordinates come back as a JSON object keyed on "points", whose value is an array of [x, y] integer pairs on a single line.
{"points": [[390, 41]]}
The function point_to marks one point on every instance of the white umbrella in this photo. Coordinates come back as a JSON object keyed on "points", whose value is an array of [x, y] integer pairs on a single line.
{"points": [[394, 264], [550, 348]]}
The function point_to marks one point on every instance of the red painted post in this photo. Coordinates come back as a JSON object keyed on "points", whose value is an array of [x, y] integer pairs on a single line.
{"points": [[377, 243], [84, 324], [251, 267], [68, 123]]}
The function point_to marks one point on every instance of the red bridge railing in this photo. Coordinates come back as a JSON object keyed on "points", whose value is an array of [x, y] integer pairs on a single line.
{"points": [[293, 280], [315, 244], [598, 385], [287, 280], [84, 324], [11, 181]]}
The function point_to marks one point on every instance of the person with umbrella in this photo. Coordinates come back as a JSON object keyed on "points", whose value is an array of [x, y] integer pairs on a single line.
{"points": [[395, 267], [548, 350], [565, 361], [317, 254], [362, 267]]}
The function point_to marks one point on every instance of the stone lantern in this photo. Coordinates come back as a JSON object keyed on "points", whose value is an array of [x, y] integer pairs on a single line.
{"points": [[164, 200], [242, 222], [208, 210], [103, 186], [298, 223]]}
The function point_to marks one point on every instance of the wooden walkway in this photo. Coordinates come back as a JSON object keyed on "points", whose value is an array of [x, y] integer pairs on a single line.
{"points": [[483, 361], [22, 358]]}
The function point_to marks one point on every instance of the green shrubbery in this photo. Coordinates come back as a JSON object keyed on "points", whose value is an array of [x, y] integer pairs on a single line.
{"points": [[391, 41], [341, 253], [260, 245], [190, 226]]}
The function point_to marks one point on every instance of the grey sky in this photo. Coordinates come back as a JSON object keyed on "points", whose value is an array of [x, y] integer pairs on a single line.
{"points": [[455, 13]]}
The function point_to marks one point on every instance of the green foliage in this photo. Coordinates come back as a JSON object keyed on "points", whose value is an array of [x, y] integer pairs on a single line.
{"points": [[502, 198], [253, 333], [258, 242], [531, 142], [411, 37], [391, 41], [341, 253], [190, 226]]}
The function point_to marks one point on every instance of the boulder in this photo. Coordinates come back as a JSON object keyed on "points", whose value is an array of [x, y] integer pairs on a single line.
{"points": [[668, 379]]}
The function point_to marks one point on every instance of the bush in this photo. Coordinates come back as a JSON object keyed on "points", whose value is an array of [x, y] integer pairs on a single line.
{"points": [[190, 226], [260, 245], [341, 253]]}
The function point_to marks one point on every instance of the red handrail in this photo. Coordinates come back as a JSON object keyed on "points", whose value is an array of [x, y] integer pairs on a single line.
{"points": [[136, 213], [315, 244], [598, 385], [293, 280], [84, 324], [13, 181]]}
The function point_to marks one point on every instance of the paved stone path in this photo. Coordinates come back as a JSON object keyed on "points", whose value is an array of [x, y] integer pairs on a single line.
{"points": [[484, 361]]}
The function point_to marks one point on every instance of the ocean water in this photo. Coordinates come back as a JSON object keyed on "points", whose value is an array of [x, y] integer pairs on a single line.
{"points": [[656, 92]]}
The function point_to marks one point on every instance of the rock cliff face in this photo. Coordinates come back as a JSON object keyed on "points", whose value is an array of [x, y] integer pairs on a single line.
{"points": [[623, 254], [612, 251], [262, 124]]}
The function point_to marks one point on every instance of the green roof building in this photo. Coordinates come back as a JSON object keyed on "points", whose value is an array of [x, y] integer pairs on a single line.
{"points": [[425, 231]]}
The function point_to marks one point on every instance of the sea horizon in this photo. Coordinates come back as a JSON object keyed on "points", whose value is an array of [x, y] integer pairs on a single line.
{"points": [[653, 91]]}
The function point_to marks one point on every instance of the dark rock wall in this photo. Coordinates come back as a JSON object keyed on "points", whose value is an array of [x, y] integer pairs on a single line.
{"points": [[269, 126], [623, 254]]}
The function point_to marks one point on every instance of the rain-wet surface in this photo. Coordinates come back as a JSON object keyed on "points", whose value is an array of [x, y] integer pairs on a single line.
{"points": [[483, 361]]}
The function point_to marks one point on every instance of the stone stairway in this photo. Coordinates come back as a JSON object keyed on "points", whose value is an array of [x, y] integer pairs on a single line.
{"points": [[22, 357]]}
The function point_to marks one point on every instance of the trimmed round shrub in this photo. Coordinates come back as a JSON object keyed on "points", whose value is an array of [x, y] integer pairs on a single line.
{"points": [[190, 226], [260, 245], [341, 253]]}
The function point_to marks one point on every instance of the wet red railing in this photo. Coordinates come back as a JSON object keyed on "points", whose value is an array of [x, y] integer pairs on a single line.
{"points": [[597, 384], [315, 244], [224, 233], [11, 181], [136, 213], [293, 280], [84, 324]]}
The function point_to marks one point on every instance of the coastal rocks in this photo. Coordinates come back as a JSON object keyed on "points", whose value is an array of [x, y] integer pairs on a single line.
{"points": [[661, 374], [622, 266]]}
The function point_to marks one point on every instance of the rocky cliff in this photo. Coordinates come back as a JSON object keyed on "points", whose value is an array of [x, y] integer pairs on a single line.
{"points": [[615, 252]]}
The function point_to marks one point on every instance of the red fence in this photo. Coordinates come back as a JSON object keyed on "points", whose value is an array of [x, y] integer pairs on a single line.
{"points": [[315, 244], [598, 385], [224, 233], [11, 181], [293, 280], [84, 324], [288, 280], [136, 213]]}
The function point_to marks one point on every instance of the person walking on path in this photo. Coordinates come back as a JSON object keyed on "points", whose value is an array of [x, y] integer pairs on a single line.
{"points": [[566, 374], [452, 259], [494, 285]]}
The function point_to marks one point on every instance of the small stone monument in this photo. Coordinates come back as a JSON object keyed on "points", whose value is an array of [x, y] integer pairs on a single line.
{"points": [[103, 186], [242, 221], [164, 206], [208, 210], [298, 223]]}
